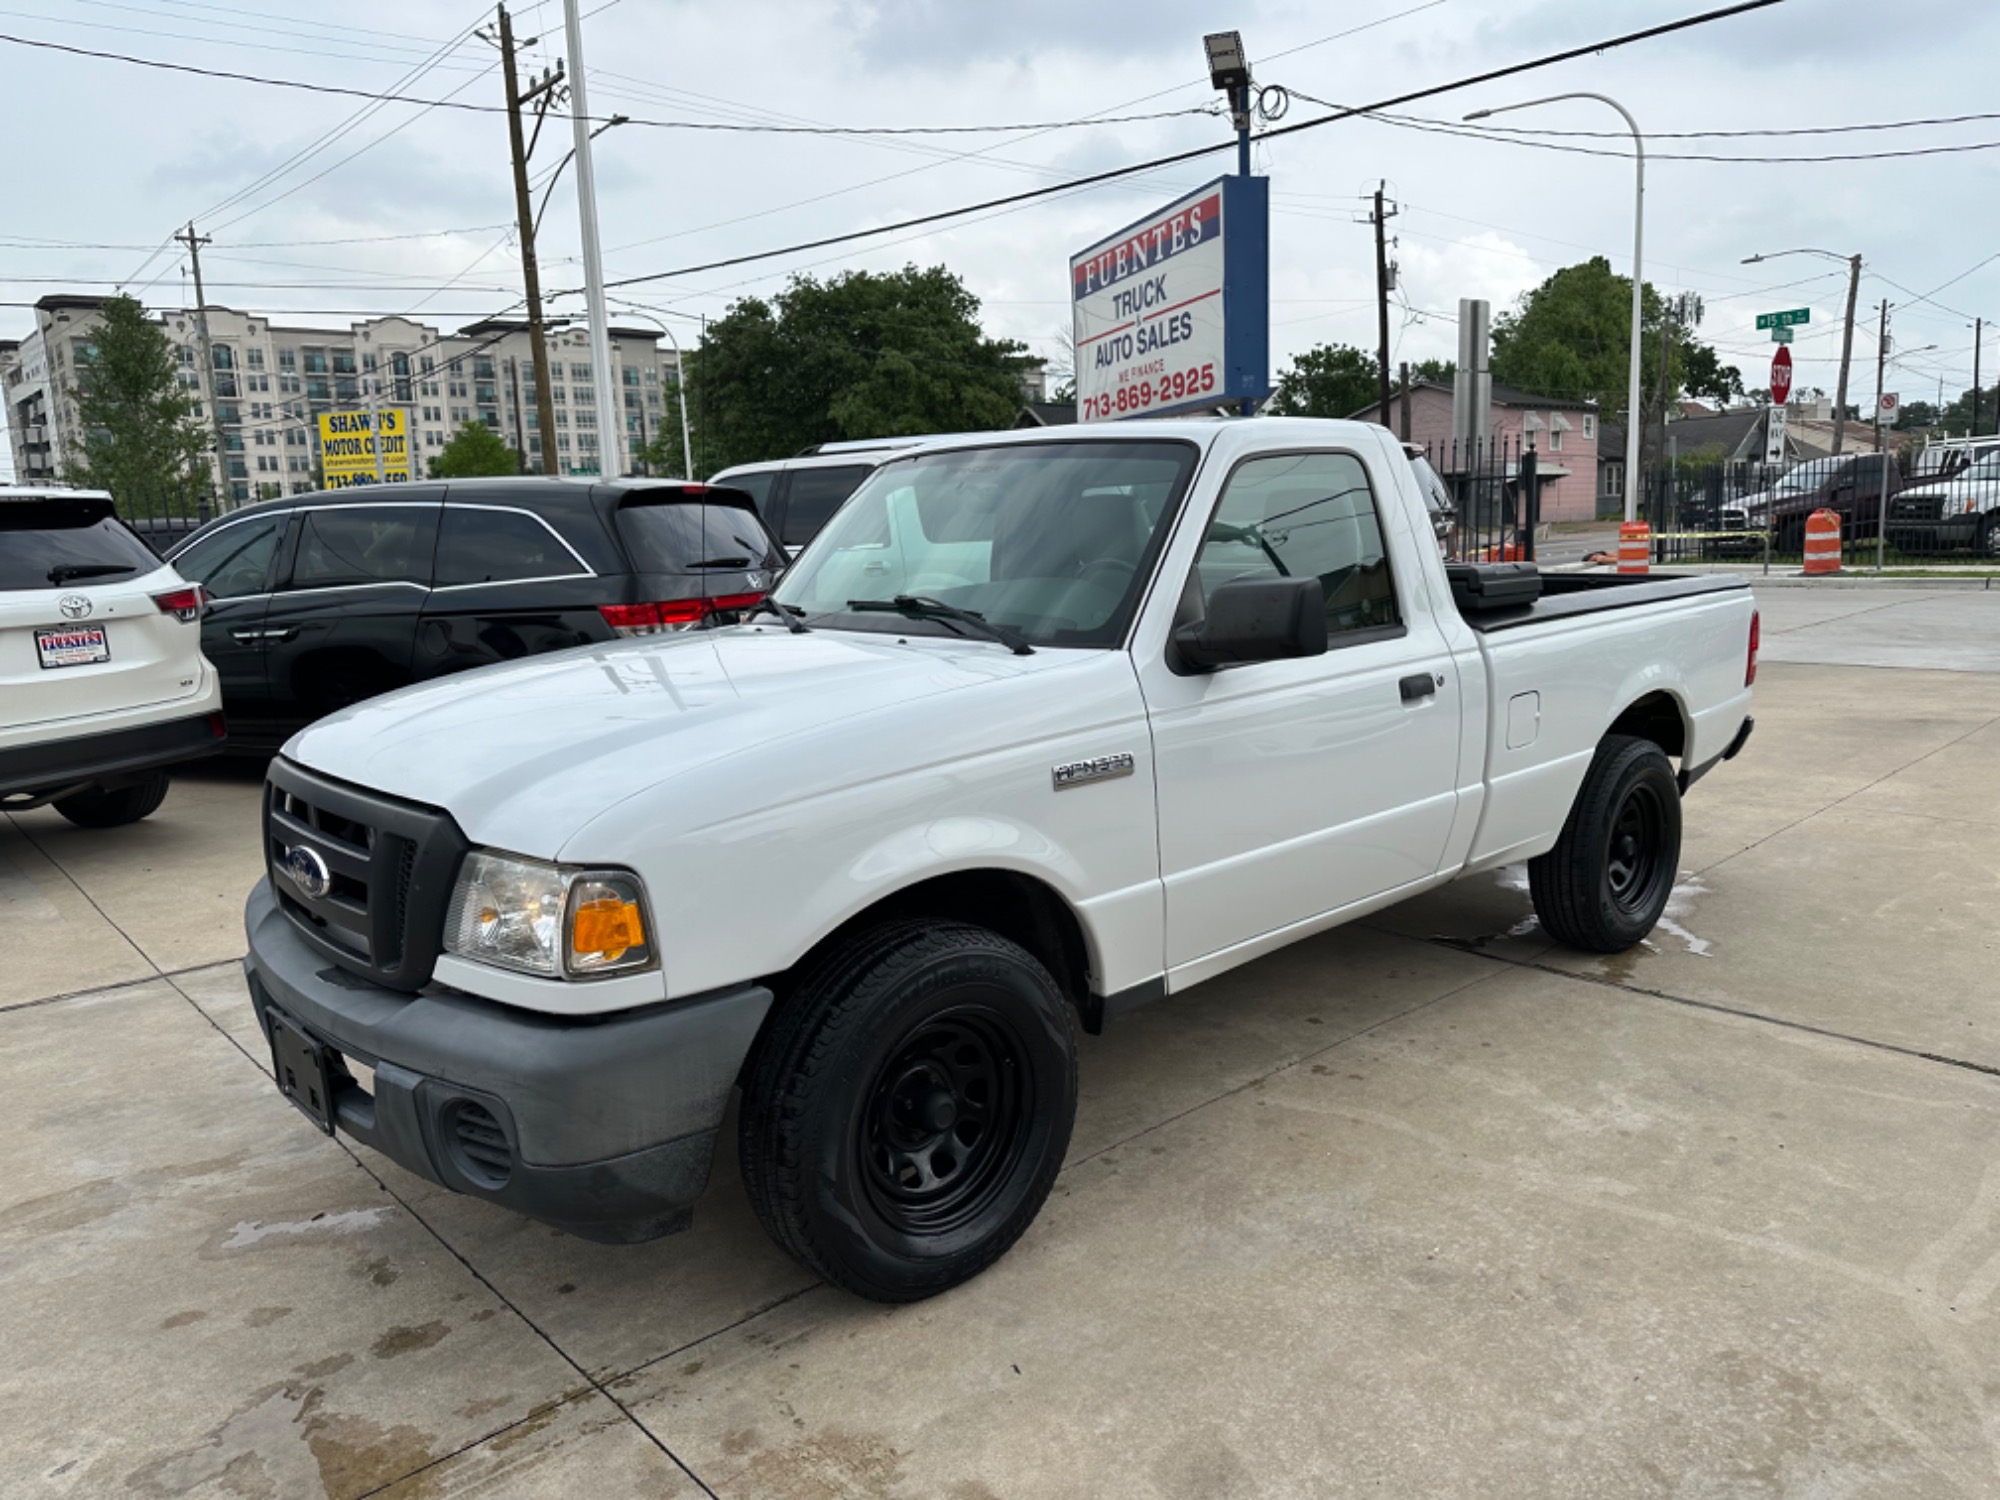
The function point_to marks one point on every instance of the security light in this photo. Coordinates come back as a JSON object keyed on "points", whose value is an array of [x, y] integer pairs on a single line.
{"points": [[1228, 67]]}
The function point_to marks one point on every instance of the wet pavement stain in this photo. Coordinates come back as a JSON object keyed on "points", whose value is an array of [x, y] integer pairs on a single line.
{"points": [[182, 1319], [264, 1317], [830, 1465], [407, 1340]]}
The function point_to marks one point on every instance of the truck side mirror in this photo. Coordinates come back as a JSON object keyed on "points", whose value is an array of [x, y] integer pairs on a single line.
{"points": [[1256, 619]]}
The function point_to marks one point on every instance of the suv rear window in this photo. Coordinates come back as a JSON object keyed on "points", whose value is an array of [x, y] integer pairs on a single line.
{"points": [[52, 544], [684, 536]]}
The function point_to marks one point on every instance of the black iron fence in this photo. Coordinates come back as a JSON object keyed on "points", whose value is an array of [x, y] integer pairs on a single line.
{"points": [[1484, 498], [164, 513], [1714, 510]]}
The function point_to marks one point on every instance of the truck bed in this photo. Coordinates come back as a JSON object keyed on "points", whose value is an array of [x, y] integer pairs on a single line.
{"points": [[1567, 595]]}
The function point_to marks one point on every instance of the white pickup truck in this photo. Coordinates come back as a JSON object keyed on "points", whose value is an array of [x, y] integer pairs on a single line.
{"points": [[1040, 726]]}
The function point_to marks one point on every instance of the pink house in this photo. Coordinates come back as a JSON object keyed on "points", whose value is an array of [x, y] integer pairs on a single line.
{"points": [[1563, 433]]}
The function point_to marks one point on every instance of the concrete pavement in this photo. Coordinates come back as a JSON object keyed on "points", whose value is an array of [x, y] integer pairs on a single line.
{"points": [[1423, 1206]]}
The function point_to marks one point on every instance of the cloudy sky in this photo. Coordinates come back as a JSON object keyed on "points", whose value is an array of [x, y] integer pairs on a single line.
{"points": [[322, 205]]}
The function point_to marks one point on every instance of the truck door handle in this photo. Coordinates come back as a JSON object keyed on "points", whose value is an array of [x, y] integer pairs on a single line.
{"points": [[1417, 685]]}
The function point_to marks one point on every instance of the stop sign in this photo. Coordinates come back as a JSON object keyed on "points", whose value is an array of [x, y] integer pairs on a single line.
{"points": [[1781, 375]]}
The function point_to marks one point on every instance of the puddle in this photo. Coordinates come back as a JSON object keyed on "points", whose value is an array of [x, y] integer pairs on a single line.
{"points": [[1680, 905], [354, 1221]]}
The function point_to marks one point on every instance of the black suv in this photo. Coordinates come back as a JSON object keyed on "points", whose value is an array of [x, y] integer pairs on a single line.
{"points": [[322, 600]]}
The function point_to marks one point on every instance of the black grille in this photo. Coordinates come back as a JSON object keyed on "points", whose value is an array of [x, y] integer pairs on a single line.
{"points": [[478, 1144], [389, 863]]}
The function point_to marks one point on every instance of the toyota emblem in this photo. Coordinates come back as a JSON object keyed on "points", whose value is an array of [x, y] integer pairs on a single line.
{"points": [[306, 868], [73, 606]]}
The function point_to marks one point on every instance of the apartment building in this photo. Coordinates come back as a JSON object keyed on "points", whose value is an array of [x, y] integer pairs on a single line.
{"points": [[270, 380]]}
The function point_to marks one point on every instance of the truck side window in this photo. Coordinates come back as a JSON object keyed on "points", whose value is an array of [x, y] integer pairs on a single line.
{"points": [[1298, 514], [813, 497]]}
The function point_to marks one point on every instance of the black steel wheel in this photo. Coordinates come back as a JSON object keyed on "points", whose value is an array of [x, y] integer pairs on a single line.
{"points": [[907, 1110], [1608, 879], [1989, 536], [945, 1120]]}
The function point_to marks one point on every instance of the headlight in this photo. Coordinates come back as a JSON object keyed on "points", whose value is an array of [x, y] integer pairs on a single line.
{"points": [[1957, 505], [541, 919]]}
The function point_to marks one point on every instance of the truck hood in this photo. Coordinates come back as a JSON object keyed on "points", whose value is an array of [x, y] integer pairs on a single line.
{"points": [[525, 754]]}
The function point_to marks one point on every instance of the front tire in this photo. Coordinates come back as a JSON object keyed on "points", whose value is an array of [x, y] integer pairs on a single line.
{"points": [[99, 808], [1606, 882], [907, 1113]]}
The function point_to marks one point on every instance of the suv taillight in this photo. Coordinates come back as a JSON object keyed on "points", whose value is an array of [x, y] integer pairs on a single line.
{"points": [[183, 604], [671, 614], [1756, 634]]}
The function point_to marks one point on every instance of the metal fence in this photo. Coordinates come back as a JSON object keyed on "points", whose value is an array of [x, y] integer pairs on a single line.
{"points": [[1486, 503], [1713, 510], [164, 513]]}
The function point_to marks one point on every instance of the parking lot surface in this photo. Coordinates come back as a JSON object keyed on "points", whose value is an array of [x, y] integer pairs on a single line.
{"points": [[1421, 1206]]}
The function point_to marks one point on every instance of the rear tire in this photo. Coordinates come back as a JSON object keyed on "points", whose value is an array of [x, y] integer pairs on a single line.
{"points": [[1606, 882], [98, 808], [1989, 536], [906, 1113]]}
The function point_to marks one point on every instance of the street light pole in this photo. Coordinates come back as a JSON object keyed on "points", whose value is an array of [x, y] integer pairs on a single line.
{"points": [[611, 424], [1638, 277], [1847, 334], [680, 388]]}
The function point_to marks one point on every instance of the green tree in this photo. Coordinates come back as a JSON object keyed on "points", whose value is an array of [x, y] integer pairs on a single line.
{"points": [[1328, 380], [475, 451], [857, 356], [1572, 336], [140, 430], [1436, 371]]}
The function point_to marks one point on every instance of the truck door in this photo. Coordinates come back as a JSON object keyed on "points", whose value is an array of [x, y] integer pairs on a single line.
{"points": [[1293, 788]]}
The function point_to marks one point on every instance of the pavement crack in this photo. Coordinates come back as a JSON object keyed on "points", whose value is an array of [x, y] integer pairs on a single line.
{"points": [[1849, 796], [1717, 1007], [354, 1157]]}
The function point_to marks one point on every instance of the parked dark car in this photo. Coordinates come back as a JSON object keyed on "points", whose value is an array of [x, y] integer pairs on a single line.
{"points": [[323, 600], [1849, 485]]}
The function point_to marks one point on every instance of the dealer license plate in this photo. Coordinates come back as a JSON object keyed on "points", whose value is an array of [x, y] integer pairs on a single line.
{"points": [[72, 646]]}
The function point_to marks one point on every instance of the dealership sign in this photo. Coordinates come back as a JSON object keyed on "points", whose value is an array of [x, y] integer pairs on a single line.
{"points": [[1173, 313], [347, 443]]}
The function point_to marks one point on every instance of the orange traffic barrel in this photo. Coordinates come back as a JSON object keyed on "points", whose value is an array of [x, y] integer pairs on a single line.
{"points": [[1504, 552], [1823, 542], [1635, 547]]}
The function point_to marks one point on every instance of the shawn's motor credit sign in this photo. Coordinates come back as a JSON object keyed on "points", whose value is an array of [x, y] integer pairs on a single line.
{"points": [[1172, 313]]}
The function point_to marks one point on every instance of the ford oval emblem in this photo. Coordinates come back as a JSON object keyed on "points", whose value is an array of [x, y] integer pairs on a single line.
{"points": [[306, 868], [73, 606]]}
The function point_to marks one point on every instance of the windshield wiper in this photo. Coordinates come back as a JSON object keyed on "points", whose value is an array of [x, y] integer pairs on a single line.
{"points": [[721, 562], [64, 572], [788, 613], [917, 607]]}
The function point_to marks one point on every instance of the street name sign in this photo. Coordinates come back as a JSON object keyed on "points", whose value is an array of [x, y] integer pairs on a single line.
{"points": [[1784, 319], [1781, 335]]}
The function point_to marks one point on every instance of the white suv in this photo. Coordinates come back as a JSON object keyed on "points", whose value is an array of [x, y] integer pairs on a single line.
{"points": [[102, 680]]}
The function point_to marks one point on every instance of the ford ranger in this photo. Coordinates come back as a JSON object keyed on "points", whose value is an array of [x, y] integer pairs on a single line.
{"points": [[1040, 726]]}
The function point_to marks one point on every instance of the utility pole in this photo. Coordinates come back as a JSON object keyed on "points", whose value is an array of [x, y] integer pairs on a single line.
{"points": [[1881, 371], [610, 416], [539, 94], [1380, 219], [1977, 332], [1881, 448], [194, 242], [1846, 353]]}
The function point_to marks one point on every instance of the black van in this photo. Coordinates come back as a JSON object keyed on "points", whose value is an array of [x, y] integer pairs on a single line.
{"points": [[322, 600]]}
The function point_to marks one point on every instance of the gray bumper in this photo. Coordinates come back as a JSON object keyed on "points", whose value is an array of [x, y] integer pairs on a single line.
{"points": [[609, 1123]]}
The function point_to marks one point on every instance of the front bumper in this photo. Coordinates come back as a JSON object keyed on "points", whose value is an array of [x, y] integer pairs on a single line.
{"points": [[609, 1122], [84, 759]]}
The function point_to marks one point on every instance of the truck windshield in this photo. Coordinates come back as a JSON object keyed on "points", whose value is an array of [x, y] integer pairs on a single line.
{"points": [[1054, 539]]}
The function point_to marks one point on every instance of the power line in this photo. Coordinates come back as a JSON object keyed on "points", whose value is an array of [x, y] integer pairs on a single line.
{"points": [[449, 102], [1697, 135], [1512, 138], [1131, 169]]}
